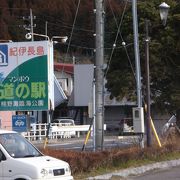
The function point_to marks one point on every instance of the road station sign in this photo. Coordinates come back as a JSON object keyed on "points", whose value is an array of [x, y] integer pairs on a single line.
{"points": [[25, 76]]}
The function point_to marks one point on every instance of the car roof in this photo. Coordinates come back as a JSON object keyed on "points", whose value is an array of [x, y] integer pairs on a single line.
{"points": [[4, 131], [59, 119]]}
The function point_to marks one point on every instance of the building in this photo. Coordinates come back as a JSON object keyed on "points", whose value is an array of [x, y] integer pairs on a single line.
{"points": [[79, 78], [75, 84]]}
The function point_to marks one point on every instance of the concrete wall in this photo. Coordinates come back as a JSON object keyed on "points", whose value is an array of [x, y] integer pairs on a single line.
{"points": [[6, 119]]}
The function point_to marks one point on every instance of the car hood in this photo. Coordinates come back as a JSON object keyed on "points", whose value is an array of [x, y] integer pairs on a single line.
{"points": [[43, 161]]}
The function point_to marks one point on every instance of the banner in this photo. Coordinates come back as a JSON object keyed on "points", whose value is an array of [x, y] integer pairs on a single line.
{"points": [[25, 72]]}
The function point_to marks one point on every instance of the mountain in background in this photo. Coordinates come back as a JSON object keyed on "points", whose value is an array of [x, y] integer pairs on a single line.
{"points": [[57, 17]]}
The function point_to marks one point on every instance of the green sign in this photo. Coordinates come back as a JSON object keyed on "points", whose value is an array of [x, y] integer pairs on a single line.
{"points": [[24, 72]]}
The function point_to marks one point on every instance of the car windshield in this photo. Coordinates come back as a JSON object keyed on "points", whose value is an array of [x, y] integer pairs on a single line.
{"points": [[17, 146]]}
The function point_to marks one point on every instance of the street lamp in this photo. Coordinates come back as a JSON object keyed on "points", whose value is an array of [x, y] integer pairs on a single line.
{"points": [[64, 39], [163, 9], [163, 14], [30, 35]]}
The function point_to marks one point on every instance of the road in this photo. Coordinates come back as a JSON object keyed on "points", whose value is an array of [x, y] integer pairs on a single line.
{"points": [[163, 174], [77, 143]]}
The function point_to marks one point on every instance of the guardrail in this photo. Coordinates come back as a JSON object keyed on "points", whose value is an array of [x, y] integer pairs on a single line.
{"points": [[57, 130]]}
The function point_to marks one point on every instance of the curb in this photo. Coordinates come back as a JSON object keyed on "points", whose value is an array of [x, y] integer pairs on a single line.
{"points": [[138, 170]]}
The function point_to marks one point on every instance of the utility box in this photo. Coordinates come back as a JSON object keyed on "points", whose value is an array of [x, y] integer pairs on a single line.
{"points": [[90, 110], [138, 120]]}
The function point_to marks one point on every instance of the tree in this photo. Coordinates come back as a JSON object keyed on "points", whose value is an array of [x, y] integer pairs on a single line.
{"points": [[164, 56], [4, 14]]}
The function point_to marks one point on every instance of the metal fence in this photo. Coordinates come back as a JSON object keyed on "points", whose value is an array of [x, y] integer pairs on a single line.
{"points": [[56, 130]]}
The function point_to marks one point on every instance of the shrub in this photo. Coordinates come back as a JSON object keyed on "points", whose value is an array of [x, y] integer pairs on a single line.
{"points": [[84, 162]]}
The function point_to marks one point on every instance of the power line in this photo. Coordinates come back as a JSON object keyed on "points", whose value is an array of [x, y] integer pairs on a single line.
{"points": [[77, 9], [75, 27], [118, 32], [68, 26], [91, 48]]}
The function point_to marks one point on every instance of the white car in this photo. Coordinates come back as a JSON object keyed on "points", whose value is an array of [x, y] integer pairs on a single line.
{"points": [[65, 122], [19, 159]]}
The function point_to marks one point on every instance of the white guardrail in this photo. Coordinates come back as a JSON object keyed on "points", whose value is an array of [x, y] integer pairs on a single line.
{"points": [[39, 131]]}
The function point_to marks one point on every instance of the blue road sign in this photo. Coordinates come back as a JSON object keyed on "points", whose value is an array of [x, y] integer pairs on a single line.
{"points": [[19, 123]]}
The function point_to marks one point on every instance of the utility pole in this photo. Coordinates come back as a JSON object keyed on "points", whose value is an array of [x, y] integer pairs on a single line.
{"points": [[136, 51], [138, 66], [99, 75], [46, 29], [148, 115], [29, 24]]}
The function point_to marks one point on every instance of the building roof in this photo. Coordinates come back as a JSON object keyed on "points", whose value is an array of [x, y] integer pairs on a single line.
{"points": [[68, 68]]}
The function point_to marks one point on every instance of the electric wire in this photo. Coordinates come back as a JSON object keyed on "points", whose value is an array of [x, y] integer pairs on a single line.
{"points": [[91, 48], [125, 46], [114, 45], [72, 28], [59, 21], [75, 28], [134, 75], [77, 9], [68, 26], [61, 24]]}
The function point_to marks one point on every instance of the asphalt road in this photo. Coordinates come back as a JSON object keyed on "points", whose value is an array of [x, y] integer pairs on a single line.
{"points": [[77, 143], [165, 174]]}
